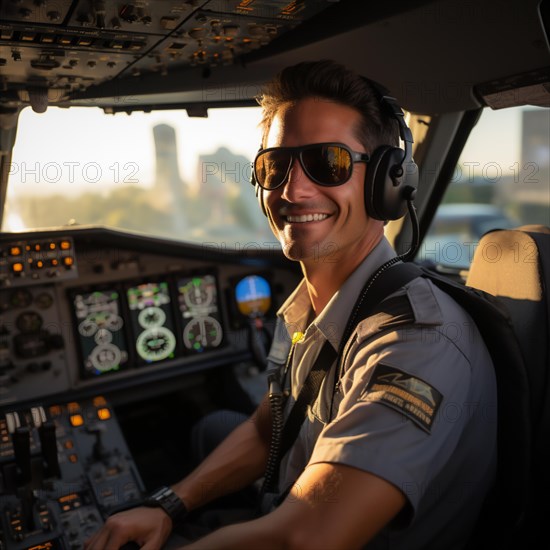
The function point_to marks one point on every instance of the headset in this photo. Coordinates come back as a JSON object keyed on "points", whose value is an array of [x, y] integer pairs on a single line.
{"points": [[391, 178]]}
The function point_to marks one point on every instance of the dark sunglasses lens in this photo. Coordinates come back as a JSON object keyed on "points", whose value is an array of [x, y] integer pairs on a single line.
{"points": [[327, 164], [271, 168]]}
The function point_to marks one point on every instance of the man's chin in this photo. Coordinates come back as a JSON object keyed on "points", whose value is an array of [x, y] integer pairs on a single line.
{"points": [[301, 252]]}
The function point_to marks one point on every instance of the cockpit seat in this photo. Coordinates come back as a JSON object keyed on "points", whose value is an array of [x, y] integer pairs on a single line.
{"points": [[514, 265]]}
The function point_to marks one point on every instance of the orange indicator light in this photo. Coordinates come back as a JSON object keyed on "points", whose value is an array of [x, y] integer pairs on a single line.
{"points": [[103, 414], [77, 420]]}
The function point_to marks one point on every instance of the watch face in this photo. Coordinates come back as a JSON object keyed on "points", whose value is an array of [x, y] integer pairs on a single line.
{"points": [[166, 499]]}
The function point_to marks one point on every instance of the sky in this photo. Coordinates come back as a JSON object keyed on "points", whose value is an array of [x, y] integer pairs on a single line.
{"points": [[61, 148], [56, 150]]}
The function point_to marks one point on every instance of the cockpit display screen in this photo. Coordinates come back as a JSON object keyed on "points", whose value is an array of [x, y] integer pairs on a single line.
{"points": [[152, 321], [198, 305], [100, 329]]}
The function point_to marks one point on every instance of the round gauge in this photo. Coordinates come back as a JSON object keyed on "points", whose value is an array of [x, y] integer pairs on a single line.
{"points": [[44, 300], [202, 333], [151, 317], [106, 357], [198, 292], [103, 336], [253, 295], [29, 321], [103, 319], [80, 308], [100, 318], [20, 298], [155, 344], [87, 328], [114, 322]]}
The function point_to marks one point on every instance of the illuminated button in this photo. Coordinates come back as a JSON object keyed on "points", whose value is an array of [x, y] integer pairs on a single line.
{"points": [[103, 414], [52, 246], [17, 267], [65, 245], [73, 458], [55, 410], [85, 41], [73, 407], [54, 262], [99, 401], [68, 498], [76, 420], [15, 251], [68, 261], [68, 444], [136, 46], [37, 247]]}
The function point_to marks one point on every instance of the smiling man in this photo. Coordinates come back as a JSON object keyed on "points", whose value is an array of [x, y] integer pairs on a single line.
{"points": [[395, 448], [323, 227]]}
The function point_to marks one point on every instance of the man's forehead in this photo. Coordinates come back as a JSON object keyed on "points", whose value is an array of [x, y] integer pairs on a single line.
{"points": [[314, 120]]}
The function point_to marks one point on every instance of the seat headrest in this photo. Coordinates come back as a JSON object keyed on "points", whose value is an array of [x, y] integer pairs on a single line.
{"points": [[507, 263]]}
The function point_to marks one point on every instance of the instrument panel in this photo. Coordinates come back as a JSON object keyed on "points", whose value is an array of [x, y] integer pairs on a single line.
{"points": [[91, 319], [119, 312], [63, 469]]}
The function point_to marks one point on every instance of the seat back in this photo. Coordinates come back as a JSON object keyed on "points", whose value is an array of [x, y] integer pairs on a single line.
{"points": [[514, 265]]}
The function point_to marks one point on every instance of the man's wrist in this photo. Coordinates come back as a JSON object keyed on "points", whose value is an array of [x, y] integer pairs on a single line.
{"points": [[168, 501]]}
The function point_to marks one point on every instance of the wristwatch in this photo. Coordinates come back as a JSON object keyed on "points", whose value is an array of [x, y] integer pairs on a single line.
{"points": [[166, 499]]}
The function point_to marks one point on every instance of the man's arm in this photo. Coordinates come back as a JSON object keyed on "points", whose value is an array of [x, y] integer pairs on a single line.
{"points": [[236, 463], [331, 507]]}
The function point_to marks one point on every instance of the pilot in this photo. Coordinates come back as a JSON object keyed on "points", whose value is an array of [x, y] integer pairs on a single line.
{"points": [[397, 447]]}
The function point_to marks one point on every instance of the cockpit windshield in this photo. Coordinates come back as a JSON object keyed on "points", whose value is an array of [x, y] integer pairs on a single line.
{"points": [[162, 174]]}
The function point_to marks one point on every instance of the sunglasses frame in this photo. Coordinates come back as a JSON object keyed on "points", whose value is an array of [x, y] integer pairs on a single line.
{"points": [[296, 152]]}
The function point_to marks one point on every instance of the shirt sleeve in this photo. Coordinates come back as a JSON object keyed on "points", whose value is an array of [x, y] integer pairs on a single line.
{"points": [[403, 409]]}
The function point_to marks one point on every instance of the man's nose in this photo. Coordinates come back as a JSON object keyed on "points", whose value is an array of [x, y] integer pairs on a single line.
{"points": [[297, 185]]}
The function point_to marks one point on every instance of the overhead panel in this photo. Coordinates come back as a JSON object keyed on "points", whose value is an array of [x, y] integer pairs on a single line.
{"points": [[50, 49]]}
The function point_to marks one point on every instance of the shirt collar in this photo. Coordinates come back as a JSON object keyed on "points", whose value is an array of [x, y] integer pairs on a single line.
{"points": [[331, 322]]}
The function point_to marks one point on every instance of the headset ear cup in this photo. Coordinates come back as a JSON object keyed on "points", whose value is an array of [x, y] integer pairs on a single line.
{"points": [[259, 193], [260, 197], [384, 197]]}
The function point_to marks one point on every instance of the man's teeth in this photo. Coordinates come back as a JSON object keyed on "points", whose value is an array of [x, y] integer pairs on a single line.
{"points": [[307, 218]]}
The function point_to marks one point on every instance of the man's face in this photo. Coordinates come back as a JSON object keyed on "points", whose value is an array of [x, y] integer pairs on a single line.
{"points": [[312, 222]]}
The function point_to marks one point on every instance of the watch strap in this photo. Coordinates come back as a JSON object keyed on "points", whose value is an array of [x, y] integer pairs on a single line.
{"points": [[166, 499]]}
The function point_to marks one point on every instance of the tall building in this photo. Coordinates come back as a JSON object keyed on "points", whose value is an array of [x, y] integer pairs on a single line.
{"points": [[535, 154], [168, 190], [535, 139], [167, 170]]}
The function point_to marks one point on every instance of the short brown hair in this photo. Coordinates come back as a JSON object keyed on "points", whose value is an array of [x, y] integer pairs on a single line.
{"points": [[329, 80]]}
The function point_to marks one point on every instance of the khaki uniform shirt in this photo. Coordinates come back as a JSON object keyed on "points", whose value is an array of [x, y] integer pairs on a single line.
{"points": [[414, 405]]}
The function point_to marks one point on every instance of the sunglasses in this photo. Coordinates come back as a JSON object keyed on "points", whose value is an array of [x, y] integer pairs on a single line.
{"points": [[327, 164]]}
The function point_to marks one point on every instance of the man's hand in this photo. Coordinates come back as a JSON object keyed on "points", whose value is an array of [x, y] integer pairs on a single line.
{"points": [[148, 527]]}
